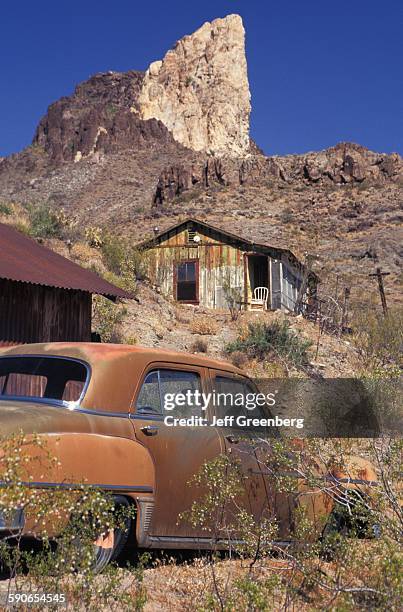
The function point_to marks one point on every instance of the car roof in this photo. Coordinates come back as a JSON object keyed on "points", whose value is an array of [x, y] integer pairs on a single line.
{"points": [[115, 368], [95, 351]]}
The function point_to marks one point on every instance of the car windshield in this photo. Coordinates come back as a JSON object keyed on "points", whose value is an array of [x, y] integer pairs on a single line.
{"points": [[45, 378]]}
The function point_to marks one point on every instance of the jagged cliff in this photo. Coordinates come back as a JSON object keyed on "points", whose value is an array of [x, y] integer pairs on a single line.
{"points": [[200, 90], [197, 96]]}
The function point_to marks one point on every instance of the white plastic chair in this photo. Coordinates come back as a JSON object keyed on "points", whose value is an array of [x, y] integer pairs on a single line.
{"points": [[260, 297]]}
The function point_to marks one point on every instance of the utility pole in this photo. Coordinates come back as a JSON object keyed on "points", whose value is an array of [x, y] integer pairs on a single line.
{"points": [[379, 274]]}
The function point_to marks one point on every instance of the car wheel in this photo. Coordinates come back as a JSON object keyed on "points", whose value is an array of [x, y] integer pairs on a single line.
{"points": [[108, 547]]}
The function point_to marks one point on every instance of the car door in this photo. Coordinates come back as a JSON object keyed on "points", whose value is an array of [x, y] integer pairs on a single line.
{"points": [[178, 452], [240, 443]]}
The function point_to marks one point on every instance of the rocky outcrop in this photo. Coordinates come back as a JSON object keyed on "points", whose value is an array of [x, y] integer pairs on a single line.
{"points": [[197, 96], [340, 165], [100, 117], [200, 89], [346, 163]]}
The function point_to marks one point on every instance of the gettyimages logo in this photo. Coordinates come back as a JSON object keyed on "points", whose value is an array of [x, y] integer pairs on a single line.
{"points": [[338, 408], [242, 410]]}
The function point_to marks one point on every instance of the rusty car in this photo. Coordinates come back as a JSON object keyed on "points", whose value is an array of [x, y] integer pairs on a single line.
{"points": [[100, 409]]}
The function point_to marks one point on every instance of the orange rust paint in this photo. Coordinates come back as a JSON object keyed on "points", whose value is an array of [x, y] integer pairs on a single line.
{"points": [[104, 443]]}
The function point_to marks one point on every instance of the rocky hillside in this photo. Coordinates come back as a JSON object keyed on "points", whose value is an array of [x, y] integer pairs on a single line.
{"points": [[135, 150]]}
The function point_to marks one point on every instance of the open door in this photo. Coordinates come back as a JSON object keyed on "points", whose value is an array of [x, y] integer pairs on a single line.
{"points": [[258, 272]]}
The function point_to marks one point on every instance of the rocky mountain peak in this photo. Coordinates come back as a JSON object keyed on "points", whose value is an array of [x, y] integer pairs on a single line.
{"points": [[200, 90]]}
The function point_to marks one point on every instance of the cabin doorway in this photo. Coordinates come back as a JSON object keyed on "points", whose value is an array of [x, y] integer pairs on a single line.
{"points": [[258, 272]]}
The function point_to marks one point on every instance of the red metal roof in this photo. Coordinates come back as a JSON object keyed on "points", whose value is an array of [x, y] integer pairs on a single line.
{"points": [[23, 259]]}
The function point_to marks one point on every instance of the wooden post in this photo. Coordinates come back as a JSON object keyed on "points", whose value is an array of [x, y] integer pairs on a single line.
{"points": [[336, 291], [379, 274], [345, 308]]}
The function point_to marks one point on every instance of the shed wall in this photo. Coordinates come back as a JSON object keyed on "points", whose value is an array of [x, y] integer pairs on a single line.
{"points": [[34, 313]]}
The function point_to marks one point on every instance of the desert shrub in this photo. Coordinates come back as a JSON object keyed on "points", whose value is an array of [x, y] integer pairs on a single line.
{"points": [[44, 222], [378, 338], [287, 216], [5, 209], [113, 252], [199, 346], [23, 227], [124, 260], [181, 316], [185, 196], [363, 573], [85, 254], [239, 359], [93, 236], [204, 326], [132, 340], [67, 523], [233, 297], [106, 318], [262, 340]]}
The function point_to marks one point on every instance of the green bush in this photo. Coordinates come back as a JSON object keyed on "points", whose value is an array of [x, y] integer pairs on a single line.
{"points": [[45, 223], [106, 319], [67, 523], [5, 209], [123, 260], [379, 338], [113, 252], [263, 340]]}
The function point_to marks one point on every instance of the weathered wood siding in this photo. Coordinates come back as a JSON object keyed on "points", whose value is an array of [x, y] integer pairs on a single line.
{"points": [[220, 260], [217, 262], [34, 313]]}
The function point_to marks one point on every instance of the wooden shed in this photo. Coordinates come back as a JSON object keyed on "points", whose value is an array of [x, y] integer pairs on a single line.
{"points": [[45, 297], [194, 262]]}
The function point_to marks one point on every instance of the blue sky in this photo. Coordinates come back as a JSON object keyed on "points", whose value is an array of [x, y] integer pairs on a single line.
{"points": [[320, 72]]}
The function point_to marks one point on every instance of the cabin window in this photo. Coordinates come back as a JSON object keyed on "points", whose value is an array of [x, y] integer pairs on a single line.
{"points": [[186, 277]]}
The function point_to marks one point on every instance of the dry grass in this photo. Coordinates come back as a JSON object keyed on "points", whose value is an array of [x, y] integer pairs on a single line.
{"points": [[205, 326], [199, 346], [182, 316], [239, 359]]}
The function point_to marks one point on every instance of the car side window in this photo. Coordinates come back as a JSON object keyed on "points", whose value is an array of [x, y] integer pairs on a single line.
{"points": [[178, 388], [149, 399], [234, 397], [169, 392]]}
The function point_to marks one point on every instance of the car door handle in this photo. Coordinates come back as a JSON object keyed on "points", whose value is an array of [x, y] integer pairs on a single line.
{"points": [[232, 439], [149, 430]]}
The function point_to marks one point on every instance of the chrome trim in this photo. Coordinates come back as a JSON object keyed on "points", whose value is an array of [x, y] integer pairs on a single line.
{"points": [[73, 486], [146, 417], [146, 508], [208, 541], [122, 415], [17, 521], [63, 406], [42, 400]]}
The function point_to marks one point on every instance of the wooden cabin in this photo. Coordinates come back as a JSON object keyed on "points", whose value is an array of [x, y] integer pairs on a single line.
{"points": [[45, 297], [195, 263]]}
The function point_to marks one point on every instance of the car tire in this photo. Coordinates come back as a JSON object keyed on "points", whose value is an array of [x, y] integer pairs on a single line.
{"points": [[104, 556]]}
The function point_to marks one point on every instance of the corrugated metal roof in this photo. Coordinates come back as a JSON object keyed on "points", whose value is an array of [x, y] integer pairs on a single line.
{"points": [[23, 259], [224, 231]]}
